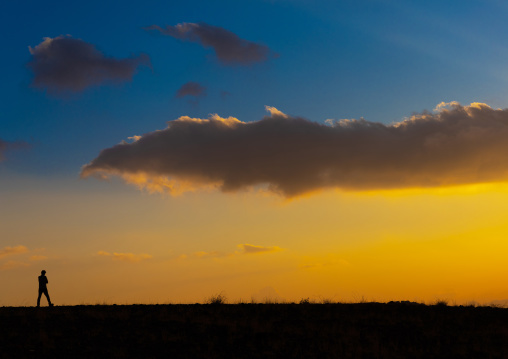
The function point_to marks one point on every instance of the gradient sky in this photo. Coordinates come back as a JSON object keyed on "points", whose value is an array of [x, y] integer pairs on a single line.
{"points": [[325, 149]]}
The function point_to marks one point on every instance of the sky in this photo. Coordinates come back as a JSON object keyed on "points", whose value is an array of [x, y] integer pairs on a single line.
{"points": [[168, 151]]}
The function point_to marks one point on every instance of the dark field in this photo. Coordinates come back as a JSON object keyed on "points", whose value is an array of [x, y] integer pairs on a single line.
{"points": [[364, 330]]}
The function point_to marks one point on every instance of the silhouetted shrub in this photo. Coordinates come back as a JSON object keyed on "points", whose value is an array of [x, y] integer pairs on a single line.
{"points": [[216, 299], [441, 303]]}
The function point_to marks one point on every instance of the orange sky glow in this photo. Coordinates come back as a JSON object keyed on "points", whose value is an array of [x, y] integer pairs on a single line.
{"points": [[135, 247]]}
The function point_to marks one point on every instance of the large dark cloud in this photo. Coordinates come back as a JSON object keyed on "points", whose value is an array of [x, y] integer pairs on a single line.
{"points": [[67, 64], [191, 88], [454, 145], [229, 48]]}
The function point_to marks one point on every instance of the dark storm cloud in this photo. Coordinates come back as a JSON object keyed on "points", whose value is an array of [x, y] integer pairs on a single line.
{"points": [[191, 89], [291, 155], [229, 48], [67, 64]]}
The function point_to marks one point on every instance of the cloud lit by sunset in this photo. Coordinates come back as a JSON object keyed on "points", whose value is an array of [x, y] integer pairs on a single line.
{"points": [[291, 155], [128, 257]]}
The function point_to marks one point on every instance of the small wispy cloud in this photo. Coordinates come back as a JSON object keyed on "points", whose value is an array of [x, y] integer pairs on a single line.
{"points": [[10, 251], [252, 249], [64, 63], [126, 257], [245, 249], [24, 257], [13, 265], [191, 88], [229, 47]]}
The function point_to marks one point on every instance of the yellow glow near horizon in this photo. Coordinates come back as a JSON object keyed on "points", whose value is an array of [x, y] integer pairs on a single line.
{"points": [[381, 245]]}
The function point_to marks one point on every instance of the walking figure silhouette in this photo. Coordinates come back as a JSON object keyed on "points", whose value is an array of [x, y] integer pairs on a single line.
{"points": [[43, 289]]}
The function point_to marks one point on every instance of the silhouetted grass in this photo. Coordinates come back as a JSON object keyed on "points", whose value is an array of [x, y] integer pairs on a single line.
{"points": [[217, 299], [246, 330], [441, 302]]}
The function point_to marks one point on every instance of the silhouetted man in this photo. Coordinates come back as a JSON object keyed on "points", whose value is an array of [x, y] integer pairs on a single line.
{"points": [[43, 281]]}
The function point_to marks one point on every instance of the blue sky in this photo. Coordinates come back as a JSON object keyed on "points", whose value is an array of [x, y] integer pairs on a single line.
{"points": [[381, 60]]}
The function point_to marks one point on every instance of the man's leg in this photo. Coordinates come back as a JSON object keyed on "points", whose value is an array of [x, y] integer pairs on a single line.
{"points": [[47, 297], [39, 298]]}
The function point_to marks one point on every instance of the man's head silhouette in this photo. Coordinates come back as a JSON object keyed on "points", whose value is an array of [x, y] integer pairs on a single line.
{"points": [[43, 272]]}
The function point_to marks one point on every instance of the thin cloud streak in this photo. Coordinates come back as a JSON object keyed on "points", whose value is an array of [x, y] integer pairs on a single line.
{"points": [[10, 251], [292, 156], [252, 249], [245, 249], [125, 257], [17, 251], [64, 63], [229, 47], [13, 265]]}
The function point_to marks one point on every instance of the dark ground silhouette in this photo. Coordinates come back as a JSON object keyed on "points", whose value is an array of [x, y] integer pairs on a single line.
{"points": [[363, 330]]}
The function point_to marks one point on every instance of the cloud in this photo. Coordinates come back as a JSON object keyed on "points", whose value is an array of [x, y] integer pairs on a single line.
{"points": [[229, 48], [245, 249], [9, 251], [191, 89], [67, 64], [12, 265], [126, 257], [7, 145], [251, 249], [292, 156], [22, 252]]}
